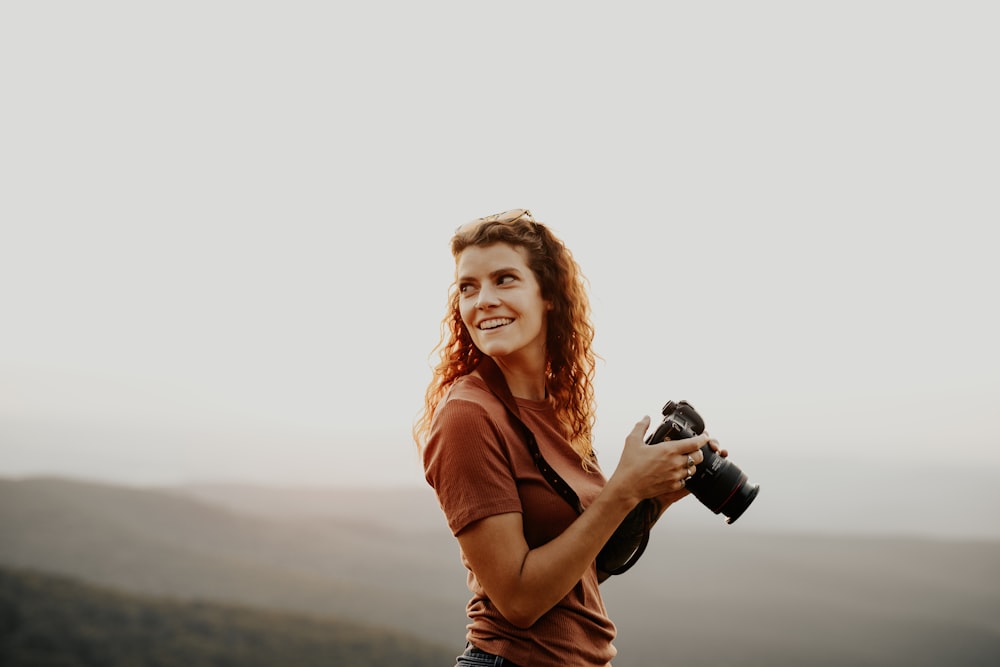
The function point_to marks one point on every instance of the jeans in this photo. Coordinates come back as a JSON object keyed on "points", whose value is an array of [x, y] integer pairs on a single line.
{"points": [[473, 657]]}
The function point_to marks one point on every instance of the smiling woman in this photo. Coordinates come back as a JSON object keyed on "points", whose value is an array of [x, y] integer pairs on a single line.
{"points": [[503, 310], [506, 442]]}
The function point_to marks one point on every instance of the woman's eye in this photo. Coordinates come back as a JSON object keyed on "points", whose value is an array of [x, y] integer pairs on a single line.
{"points": [[465, 288], [505, 279]]}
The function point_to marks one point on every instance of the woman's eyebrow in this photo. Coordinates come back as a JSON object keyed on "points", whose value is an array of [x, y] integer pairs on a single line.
{"points": [[492, 274]]}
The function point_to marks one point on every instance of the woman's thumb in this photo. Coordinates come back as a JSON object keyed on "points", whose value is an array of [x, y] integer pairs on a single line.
{"points": [[639, 430]]}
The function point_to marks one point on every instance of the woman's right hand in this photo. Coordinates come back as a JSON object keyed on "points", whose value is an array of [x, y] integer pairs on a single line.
{"points": [[647, 471]]}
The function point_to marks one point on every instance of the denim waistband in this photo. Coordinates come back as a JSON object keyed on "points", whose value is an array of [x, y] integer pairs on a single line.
{"points": [[475, 657]]}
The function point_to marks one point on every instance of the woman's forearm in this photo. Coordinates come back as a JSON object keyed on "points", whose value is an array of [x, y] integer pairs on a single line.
{"points": [[549, 572]]}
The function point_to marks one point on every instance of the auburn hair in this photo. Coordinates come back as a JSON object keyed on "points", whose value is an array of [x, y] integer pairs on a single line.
{"points": [[570, 359]]}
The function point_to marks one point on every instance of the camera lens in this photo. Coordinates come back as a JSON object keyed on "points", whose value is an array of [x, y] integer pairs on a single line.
{"points": [[721, 486], [741, 500], [718, 483]]}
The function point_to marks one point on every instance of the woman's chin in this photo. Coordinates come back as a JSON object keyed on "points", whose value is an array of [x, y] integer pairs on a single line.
{"points": [[496, 352]]}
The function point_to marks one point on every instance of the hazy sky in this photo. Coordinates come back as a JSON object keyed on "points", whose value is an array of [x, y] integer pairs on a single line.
{"points": [[224, 225]]}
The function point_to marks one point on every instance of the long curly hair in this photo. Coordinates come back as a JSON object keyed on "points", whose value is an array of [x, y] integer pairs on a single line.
{"points": [[570, 359]]}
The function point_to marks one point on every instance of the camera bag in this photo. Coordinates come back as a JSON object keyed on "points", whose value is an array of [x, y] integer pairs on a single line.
{"points": [[629, 540]]}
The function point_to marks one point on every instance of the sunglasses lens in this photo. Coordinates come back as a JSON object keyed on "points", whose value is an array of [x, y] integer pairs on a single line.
{"points": [[505, 217], [509, 216]]}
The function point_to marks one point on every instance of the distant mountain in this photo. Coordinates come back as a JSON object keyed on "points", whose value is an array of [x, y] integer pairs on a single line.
{"points": [[50, 620], [411, 509], [703, 594], [160, 543], [802, 495]]}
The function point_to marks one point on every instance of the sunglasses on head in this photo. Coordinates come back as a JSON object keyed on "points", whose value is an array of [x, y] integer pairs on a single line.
{"points": [[508, 216], [505, 217]]}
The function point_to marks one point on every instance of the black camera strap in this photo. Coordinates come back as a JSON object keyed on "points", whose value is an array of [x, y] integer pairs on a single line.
{"points": [[497, 384], [629, 541]]}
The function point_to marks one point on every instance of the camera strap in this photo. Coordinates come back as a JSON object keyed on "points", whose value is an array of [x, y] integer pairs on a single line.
{"points": [[629, 541], [497, 384]]}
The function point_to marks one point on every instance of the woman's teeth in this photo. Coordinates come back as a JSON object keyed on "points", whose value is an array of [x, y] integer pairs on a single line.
{"points": [[493, 324]]}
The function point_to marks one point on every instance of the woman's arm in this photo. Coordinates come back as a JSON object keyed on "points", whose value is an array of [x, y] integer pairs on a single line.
{"points": [[525, 583]]}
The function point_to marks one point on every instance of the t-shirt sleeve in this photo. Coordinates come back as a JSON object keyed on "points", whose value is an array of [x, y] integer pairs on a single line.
{"points": [[467, 462]]}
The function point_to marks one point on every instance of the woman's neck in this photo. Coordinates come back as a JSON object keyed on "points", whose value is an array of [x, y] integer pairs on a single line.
{"points": [[524, 382]]}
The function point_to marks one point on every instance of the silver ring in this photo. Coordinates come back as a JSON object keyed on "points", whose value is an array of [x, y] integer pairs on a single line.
{"points": [[691, 471], [690, 461]]}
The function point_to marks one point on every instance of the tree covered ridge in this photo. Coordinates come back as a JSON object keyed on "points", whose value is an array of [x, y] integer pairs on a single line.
{"points": [[52, 620]]}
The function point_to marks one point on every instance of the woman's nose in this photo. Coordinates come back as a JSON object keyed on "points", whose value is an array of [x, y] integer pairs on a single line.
{"points": [[487, 298]]}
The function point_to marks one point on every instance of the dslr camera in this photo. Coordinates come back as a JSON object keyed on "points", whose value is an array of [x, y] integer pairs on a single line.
{"points": [[718, 483]]}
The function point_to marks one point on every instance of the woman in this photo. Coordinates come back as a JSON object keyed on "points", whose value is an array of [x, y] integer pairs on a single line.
{"points": [[515, 376]]}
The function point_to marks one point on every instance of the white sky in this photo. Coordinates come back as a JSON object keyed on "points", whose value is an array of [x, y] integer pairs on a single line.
{"points": [[224, 226]]}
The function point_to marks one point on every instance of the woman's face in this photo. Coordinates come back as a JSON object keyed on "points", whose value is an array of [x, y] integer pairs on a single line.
{"points": [[501, 304]]}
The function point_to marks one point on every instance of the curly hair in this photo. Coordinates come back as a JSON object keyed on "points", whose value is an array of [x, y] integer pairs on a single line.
{"points": [[570, 359]]}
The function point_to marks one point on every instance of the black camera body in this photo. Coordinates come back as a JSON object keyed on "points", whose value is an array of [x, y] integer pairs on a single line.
{"points": [[718, 483]]}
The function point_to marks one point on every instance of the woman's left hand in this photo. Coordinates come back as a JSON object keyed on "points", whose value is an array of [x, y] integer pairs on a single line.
{"points": [[714, 444]]}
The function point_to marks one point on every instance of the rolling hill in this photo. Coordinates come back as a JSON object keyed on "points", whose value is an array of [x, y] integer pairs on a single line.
{"points": [[158, 543], [53, 620], [703, 594]]}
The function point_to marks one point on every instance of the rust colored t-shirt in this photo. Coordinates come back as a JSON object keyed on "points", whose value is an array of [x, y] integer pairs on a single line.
{"points": [[479, 466]]}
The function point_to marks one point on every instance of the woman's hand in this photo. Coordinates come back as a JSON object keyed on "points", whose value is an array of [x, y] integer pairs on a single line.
{"points": [[667, 499], [658, 470], [714, 444]]}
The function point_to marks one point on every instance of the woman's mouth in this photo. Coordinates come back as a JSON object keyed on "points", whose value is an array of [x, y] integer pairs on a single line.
{"points": [[495, 323]]}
